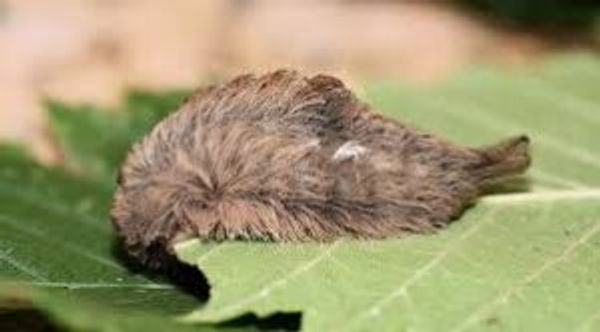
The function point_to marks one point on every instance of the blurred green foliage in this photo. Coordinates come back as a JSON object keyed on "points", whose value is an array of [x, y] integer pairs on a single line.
{"points": [[568, 13], [95, 140]]}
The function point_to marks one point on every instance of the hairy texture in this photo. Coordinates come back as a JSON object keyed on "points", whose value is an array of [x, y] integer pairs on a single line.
{"points": [[282, 157]]}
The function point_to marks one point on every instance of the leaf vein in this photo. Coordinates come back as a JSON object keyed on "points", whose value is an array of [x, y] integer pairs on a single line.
{"points": [[282, 282], [5, 256], [504, 297], [71, 247], [401, 290]]}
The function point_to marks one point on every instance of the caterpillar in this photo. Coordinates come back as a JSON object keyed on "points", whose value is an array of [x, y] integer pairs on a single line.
{"points": [[284, 157]]}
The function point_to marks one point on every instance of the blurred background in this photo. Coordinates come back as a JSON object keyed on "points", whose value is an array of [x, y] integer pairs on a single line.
{"points": [[94, 50]]}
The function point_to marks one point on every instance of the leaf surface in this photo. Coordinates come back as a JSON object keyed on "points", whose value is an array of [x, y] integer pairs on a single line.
{"points": [[522, 261], [58, 254]]}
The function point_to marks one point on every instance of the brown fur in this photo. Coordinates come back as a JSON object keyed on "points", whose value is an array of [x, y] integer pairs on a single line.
{"points": [[282, 157]]}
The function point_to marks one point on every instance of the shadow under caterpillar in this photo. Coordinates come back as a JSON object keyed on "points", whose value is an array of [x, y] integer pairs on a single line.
{"points": [[282, 157]]}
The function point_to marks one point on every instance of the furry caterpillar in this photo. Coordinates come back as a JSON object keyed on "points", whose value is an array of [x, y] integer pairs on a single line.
{"points": [[282, 157]]}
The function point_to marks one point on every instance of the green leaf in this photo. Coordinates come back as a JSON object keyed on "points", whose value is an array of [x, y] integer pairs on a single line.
{"points": [[527, 261], [85, 315], [56, 238]]}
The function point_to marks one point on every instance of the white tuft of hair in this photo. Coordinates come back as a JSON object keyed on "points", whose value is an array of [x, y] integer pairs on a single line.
{"points": [[349, 151]]}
